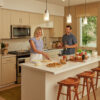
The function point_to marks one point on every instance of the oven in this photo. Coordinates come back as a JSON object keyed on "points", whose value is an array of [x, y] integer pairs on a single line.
{"points": [[21, 57]]}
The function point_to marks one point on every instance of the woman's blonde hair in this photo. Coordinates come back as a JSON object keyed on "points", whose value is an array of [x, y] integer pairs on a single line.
{"points": [[37, 30]]}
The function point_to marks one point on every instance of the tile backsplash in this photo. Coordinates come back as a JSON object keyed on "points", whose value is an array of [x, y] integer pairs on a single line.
{"points": [[23, 44], [17, 44]]}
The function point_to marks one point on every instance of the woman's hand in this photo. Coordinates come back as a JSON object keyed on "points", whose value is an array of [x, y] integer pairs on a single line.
{"points": [[46, 56]]}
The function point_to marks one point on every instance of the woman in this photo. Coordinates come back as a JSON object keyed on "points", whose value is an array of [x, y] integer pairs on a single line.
{"points": [[36, 44]]}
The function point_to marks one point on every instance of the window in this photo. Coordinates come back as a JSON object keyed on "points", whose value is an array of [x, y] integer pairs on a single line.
{"points": [[88, 33]]}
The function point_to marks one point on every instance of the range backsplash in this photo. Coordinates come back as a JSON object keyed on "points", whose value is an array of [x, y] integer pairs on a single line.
{"points": [[17, 44]]}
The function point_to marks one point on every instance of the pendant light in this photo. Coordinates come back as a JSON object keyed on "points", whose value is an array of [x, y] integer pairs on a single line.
{"points": [[85, 21], [69, 17], [1, 3], [46, 14]]}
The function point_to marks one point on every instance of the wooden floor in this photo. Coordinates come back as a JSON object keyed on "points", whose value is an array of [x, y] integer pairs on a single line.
{"points": [[12, 92], [92, 97]]}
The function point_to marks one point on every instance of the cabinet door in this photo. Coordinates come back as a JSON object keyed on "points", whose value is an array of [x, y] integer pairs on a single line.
{"points": [[35, 20], [8, 70], [15, 18], [24, 18], [0, 69], [6, 22], [19, 18], [58, 27], [0, 24]]}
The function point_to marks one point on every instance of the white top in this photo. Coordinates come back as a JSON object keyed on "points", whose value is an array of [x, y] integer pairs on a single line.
{"points": [[66, 67]]}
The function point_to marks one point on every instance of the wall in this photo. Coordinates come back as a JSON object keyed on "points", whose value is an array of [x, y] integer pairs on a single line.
{"points": [[92, 9], [33, 6]]}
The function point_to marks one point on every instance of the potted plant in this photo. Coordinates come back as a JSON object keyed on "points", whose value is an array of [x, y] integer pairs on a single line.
{"points": [[4, 48]]}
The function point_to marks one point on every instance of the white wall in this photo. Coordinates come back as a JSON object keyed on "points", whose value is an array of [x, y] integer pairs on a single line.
{"points": [[33, 6]]}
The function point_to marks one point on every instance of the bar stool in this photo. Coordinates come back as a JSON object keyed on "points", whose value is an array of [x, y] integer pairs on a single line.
{"points": [[97, 70], [69, 82], [87, 78]]}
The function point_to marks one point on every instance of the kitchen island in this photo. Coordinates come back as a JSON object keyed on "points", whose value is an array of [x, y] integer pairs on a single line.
{"points": [[40, 82]]}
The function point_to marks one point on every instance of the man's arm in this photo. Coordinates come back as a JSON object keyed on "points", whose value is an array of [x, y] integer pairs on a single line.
{"points": [[71, 46]]}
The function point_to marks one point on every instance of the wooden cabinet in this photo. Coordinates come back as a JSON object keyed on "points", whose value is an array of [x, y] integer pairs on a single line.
{"points": [[0, 69], [0, 24], [6, 23], [35, 20], [19, 18], [8, 69], [57, 31]]}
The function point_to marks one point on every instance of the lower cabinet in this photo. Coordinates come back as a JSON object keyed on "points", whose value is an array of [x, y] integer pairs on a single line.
{"points": [[8, 70], [0, 69]]}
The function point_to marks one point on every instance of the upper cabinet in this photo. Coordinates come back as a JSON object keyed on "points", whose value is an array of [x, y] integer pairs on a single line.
{"points": [[19, 18], [57, 31], [0, 25], [12, 17], [6, 23], [35, 20]]}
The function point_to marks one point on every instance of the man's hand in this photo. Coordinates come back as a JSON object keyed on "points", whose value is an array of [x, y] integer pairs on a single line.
{"points": [[71, 46], [67, 46]]}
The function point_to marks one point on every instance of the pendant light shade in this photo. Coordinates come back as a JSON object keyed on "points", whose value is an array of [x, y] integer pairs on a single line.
{"points": [[85, 21], [46, 14], [1, 3], [69, 17]]}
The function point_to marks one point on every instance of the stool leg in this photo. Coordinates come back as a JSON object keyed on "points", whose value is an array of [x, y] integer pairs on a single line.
{"points": [[93, 88], [76, 92], [97, 79], [59, 91], [87, 88], [84, 80], [67, 93]]}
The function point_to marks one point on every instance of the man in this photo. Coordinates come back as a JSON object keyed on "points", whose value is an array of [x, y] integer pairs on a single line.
{"points": [[69, 41]]}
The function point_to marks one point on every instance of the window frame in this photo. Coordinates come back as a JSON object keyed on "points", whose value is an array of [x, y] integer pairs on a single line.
{"points": [[78, 37]]}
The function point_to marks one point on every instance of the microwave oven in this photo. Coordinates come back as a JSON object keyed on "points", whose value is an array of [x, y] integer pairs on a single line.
{"points": [[20, 31]]}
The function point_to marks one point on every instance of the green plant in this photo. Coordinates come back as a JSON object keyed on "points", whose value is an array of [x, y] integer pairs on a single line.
{"points": [[3, 45], [89, 31]]}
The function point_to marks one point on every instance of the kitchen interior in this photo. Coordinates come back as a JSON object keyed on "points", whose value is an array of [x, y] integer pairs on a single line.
{"points": [[18, 21]]}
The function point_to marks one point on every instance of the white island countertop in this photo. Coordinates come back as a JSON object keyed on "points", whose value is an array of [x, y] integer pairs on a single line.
{"points": [[66, 67]]}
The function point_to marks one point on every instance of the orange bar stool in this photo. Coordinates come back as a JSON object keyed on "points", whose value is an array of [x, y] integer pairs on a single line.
{"points": [[87, 79], [97, 70], [69, 82]]}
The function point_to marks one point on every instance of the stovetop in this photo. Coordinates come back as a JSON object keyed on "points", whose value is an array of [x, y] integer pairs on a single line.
{"points": [[20, 53]]}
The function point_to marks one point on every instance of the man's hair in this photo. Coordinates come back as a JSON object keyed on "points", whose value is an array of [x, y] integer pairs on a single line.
{"points": [[69, 26]]}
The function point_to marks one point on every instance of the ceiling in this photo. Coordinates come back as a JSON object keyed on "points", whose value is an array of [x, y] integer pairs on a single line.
{"points": [[64, 2]]}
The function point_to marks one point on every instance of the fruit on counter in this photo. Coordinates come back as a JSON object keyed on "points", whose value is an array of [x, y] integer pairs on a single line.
{"points": [[64, 57], [72, 58], [78, 57], [62, 61]]}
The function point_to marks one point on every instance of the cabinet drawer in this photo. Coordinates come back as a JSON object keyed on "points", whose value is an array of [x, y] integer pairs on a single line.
{"points": [[9, 59]]}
